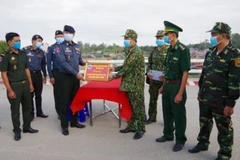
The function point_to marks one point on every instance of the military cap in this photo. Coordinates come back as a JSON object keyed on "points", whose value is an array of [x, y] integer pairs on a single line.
{"points": [[130, 33], [221, 27], [36, 36], [57, 32], [160, 33], [170, 27], [69, 29]]}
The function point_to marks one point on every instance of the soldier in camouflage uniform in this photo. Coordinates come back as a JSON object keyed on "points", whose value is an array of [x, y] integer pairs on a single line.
{"points": [[132, 73], [218, 91], [155, 62]]}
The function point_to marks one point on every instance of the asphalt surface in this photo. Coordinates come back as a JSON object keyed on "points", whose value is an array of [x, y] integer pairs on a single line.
{"points": [[103, 140]]}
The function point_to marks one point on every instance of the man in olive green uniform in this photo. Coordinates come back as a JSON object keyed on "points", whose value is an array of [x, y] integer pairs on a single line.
{"points": [[174, 96], [16, 77], [132, 73], [155, 63], [218, 91]]}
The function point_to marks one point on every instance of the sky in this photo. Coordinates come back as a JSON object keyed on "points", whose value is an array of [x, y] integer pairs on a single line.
{"points": [[104, 21]]}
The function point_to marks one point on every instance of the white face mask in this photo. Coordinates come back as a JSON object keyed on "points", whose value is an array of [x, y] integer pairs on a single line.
{"points": [[68, 37]]}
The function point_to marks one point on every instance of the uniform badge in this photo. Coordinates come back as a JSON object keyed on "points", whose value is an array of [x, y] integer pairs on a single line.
{"points": [[237, 63], [39, 55], [222, 60], [15, 67], [57, 50], [29, 60], [29, 54], [12, 58], [68, 57], [175, 58], [67, 50]]}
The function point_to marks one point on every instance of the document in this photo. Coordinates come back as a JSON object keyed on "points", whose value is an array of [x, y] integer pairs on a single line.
{"points": [[156, 74]]}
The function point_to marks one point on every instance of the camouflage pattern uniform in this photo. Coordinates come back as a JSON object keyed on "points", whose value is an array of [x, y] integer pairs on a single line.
{"points": [[132, 73], [155, 62], [219, 87]]}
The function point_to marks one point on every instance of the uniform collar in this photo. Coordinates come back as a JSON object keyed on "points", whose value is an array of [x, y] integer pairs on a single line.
{"points": [[175, 46], [225, 50], [11, 52], [68, 44], [130, 49]]}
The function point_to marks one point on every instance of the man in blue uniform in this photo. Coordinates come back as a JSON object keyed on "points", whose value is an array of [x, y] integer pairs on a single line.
{"points": [[37, 63], [69, 57], [53, 68]]}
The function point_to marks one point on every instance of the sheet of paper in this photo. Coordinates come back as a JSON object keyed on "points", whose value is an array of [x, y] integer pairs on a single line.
{"points": [[156, 74]]}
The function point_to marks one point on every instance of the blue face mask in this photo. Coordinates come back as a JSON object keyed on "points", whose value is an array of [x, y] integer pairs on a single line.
{"points": [[68, 37], [17, 45], [59, 40], [160, 42], [38, 44], [126, 43], [213, 41], [166, 39]]}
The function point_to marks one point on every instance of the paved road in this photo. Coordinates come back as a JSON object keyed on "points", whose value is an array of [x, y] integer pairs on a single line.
{"points": [[103, 141]]}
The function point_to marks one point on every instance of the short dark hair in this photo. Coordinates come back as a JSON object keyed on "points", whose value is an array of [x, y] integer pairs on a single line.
{"points": [[9, 36]]}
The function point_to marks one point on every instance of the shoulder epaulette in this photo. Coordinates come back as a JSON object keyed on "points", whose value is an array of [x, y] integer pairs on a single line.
{"points": [[182, 47], [27, 47], [3, 54]]}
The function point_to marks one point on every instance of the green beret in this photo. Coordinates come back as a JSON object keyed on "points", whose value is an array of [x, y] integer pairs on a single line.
{"points": [[170, 27], [160, 33], [130, 33], [221, 27]]}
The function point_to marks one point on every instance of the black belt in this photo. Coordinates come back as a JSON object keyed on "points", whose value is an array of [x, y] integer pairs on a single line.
{"points": [[172, 81], [35, 72], [22, 82]]}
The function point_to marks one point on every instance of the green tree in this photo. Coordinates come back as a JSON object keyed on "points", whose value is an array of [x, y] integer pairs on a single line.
{"points": [[81, 47], [3, 46], [235, 38], [87, 48]]}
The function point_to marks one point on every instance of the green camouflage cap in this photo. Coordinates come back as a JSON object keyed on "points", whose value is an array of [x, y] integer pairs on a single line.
{"points": [[170, 27], [221, 27], [130, 33], [160, 33]]}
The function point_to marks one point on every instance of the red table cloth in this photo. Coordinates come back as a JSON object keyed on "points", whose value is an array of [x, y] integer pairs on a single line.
{"points": [[102, 90]]}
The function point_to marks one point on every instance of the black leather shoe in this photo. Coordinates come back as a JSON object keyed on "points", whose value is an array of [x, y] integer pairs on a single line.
{"points": [[42, 115], [149, 121], [138, 135], [17, 136], [126, 130], [178, 147], [164, 139], [77, 125], [65, 131], [30, 130], [197, 149]]}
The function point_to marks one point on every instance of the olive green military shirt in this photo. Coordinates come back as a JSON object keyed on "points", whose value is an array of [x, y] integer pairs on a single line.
{"points": [[132, 71], [15, 65], [177, 61]]}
